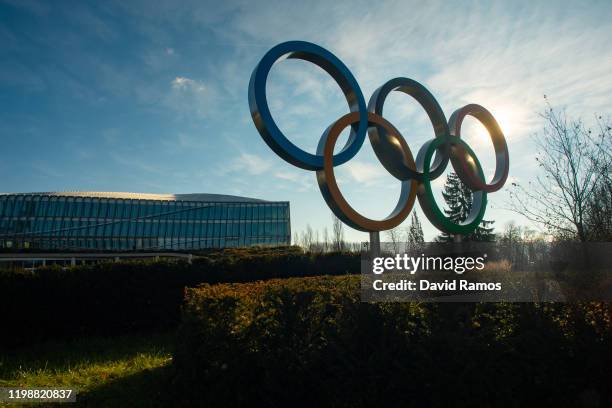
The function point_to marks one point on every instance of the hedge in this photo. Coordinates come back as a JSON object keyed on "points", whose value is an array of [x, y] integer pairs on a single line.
{"points": [[111, 298], [311, 342]]}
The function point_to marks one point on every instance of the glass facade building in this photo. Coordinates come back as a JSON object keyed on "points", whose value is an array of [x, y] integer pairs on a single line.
{"points": [[129, 221]]}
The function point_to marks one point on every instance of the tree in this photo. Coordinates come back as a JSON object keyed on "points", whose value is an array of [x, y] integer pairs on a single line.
{"points": [[598, 219], [571, 197], [308, 238], [296, 239], [394, 237], [512, 242], [337, 234], [325, 240], [512, 234], [414, 234], [458, 198]]}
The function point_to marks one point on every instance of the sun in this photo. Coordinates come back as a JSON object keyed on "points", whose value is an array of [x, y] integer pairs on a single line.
{"points": [[476, 133]]}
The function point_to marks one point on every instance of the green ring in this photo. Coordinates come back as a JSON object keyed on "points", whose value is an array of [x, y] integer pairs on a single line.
{"points": [[428, 201]]}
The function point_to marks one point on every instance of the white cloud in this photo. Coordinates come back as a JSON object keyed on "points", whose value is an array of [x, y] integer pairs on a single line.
{"points": [[183, 83], [181, 142], [250, 164], [364, 172], [298, 180], [191, 97]]}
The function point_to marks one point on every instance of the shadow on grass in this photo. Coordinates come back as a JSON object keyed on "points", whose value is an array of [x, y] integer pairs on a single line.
{"points": [[121, 371], [146, 388]]}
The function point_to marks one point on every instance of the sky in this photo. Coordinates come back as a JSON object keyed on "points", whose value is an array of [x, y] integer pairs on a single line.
{"points": [[151, 97]]}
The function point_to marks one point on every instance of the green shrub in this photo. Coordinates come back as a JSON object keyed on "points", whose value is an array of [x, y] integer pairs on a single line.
{"points": [[136, 296], [311, 342]]}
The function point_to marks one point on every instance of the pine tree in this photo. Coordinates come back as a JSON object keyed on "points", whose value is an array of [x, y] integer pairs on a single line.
{"points": [[415, 233], [458, 198]]}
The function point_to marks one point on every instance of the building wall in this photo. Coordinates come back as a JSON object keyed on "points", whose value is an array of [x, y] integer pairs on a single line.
{"points": [[60, 222]]}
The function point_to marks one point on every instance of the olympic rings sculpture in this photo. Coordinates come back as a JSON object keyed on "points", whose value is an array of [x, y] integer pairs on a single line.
{"points": [[389, 145]]}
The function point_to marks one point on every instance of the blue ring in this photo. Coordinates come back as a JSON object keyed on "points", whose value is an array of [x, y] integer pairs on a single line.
{"points": [[268, 129]]}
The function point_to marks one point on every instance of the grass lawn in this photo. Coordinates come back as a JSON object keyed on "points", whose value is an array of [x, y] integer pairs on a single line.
{"points": [[119, 371]]}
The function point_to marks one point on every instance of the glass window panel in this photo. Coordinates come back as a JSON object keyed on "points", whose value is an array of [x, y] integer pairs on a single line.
{"points": [[148, 209], [17, 206], [204, 230], [182, 229], [120, 210], [112, 207], [198, 228], [26, 206], [155, 228], [86, 208], [51, 207], [273, 212], [78, 207], [132, 228], [208, 212], [76, 229], [242, 229], [116, 229], [124, 228], [137, 209], [44, 227], [95, 208], [169, 209], [144, 208], [99, 230], [172, 229], [155, 207], [69, 207], [102, 209], [68, 228], [123, 209]]}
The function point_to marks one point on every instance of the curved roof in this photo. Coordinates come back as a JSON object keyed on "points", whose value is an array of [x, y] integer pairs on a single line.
{"points": [[144, 196]]}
